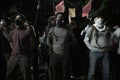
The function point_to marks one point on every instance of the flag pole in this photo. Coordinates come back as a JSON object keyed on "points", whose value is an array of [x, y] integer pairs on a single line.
{"points": [[37, 14]]}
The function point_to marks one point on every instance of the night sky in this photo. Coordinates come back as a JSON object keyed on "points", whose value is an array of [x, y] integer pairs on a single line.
{"points": [[28, 8]]}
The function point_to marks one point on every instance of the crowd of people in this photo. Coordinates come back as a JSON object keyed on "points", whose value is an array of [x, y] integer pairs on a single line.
{"points": [[70, 53], [16, 48]]}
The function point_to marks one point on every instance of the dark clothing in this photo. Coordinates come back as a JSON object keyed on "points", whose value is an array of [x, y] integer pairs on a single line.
{"points": [[20, 41], [60, 39], [46, 51], [59, 66], [21, 51], [78, 53], [22, 62], [2, 67], [5, 50], [47, 29], [15, 62], [4, 43]]}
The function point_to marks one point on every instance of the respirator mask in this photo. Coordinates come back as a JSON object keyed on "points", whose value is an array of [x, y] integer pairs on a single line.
{"points": [[60, 20]]}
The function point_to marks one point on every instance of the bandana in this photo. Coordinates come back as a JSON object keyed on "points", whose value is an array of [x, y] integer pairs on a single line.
{"points": [[99, 24]]}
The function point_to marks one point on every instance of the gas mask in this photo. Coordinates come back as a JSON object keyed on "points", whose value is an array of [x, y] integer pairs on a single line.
{"points": [[60, 20]]}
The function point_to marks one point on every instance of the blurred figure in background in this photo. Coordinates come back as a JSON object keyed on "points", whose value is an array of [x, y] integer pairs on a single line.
{"points": [[5, 48], [35, 52], [5, 30], [45, 51], [78, 53], [116, 49]]}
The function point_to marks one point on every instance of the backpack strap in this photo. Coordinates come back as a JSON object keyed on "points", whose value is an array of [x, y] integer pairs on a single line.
{"points": [[54, 35]]}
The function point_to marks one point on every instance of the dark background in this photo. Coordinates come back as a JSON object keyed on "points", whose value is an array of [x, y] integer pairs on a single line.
{"points": [[29, 9], [39, 17]]}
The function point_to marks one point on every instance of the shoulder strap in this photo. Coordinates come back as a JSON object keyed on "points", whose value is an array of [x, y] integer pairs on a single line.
{"points": [[91, 32], [53, 33]]}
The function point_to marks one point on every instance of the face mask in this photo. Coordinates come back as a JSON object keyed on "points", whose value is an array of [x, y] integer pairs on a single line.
{"points": [[19, 22], [60, 20], [99, 22]]}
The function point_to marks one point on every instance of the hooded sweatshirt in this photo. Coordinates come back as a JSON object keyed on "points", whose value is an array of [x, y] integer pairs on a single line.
{"points": [[116, 39]]}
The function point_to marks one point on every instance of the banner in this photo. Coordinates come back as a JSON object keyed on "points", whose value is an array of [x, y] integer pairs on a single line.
{"points": [[72, 12], [60, 7], [86, 9]]}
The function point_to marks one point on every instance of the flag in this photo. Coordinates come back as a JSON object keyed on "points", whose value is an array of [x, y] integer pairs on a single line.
{"points": [[60, 7], [86, 9], [72, 12]]}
